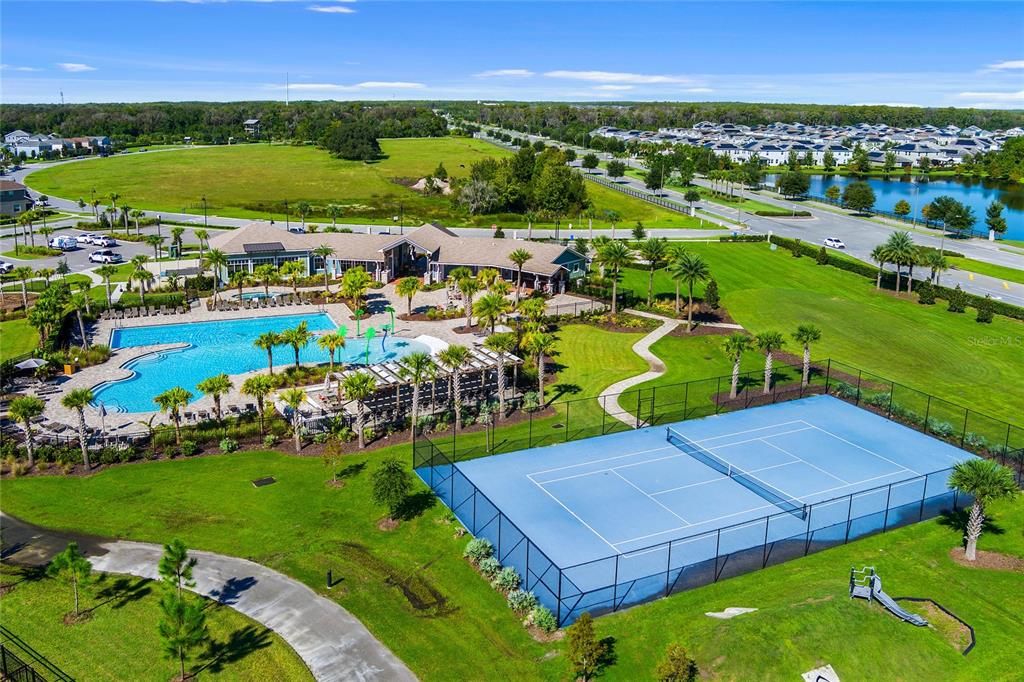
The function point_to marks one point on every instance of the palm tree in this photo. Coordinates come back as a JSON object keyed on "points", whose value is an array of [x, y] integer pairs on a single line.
{"points": [[95, 203], [331, 343], [266, 274], [79, 302], [358, 387], [294, 398], [46, 232], [415, 369], [23, 410], [217, 260], [806, 334], [216, 386], [735, 346], [259, 387], [292, 271], [204, 239], [689, 268], [613, 257], [654, 251], [239, 278], [298, 338], [519, 257], [171, 401], [113, 196], [880, 254], [266, 341], [938, 264], [454, 358], [141, 275], [106, 272], [468, 285], [137, 215], [334, 212], [176, 233], [23, 274], [155, 241], [501, 344], [76, 400], [900, 249], [325, 252], [540, 344], [490, 309], [985, 481], [487, 277], [407, 287], [26, 220], [768, 343], [303, 209]]}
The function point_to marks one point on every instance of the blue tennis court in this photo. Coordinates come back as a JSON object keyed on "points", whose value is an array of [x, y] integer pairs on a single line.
{"points": [[619, 511]]}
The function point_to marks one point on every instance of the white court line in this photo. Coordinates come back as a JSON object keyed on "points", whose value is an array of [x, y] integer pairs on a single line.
{"points": [[760, 428], [675, 453], [644, 493], [585, 524], [773, 445], [595, 461], [870, 452], [856, 492], [759, 438], [700, 523], [753, 471]]}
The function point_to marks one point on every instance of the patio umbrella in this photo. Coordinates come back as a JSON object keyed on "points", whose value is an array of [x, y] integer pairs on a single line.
{"points": [[327, 381], [32, 363]]}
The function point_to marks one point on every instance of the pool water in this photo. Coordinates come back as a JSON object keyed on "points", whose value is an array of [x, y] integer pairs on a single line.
{"points": [[224, 346], [255, 295]]}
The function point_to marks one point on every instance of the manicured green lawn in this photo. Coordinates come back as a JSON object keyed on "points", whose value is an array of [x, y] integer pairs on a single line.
{"points": [[982, 268], [120, 640], [21, 254], [176, 181], [924, 347], [17, 337], [38, 285]]}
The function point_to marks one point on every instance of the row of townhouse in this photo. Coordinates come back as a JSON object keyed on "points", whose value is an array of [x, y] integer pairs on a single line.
{"points": [[21, 143]]}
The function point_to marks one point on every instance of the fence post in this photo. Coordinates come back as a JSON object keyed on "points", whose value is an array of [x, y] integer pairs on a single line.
{"points": [[686, 406], [668, 568], [615, 585], [567, 402], [927, 411], [888, 500], [604, 411], [849, 519], [718, 392], [963, 433], [828, 374], [637, 410], [529, 435], [860, 376], [892, 391]]}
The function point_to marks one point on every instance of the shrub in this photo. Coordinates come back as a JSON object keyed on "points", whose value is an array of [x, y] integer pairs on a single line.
{"points": [[189, 448], [478, 549], [984, 307], [269, 440], [846, 391], [541, 617], [796, 248], [711, 296], [228, 445], [531, 401], [822, 257], [506, 580], [879, 399], [489, 567], [957, 300], [976, 441], [521, 601], [320, 437], [926, 293], [939, 428]]}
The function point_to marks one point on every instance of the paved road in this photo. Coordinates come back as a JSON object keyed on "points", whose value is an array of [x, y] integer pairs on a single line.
{"points": [[332, 642]]}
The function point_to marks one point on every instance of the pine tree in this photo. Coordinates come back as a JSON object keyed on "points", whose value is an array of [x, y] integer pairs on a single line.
{"points": [[676, 666], [985, 310], [957, 300], [822, 256], [583, 649], [711, 296], [925, 293]]}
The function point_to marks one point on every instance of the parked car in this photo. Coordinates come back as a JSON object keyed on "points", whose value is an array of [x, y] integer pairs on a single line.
{"points": [[105, 256], [87, 238], [104, 241], [64, 243], [5, 267], [835, 243]]}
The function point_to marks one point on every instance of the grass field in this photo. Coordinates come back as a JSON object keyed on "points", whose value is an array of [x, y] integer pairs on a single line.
{"points": [[17, 337], [925, 347], [992, 270], [375, 192], [38, 285], [120, 641]]}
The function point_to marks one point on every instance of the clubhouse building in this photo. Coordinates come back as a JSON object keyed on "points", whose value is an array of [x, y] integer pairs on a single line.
{"points": [[429, 251]]}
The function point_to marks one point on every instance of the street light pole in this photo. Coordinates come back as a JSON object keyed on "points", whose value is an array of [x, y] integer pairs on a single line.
{"points": [[204, 212], [287, 226]]}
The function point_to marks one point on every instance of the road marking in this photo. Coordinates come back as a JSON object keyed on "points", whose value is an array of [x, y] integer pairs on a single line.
{"points": [[970, 276], [1005, 285]]}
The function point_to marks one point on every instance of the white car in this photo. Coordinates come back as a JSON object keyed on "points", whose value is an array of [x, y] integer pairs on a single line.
{"points": [[104, 241], [105, 256], [64, 243], [87, 238], [835, 243], [5, 267]]}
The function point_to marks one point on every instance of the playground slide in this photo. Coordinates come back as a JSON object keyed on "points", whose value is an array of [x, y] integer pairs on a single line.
{"points": [[895, 608]]}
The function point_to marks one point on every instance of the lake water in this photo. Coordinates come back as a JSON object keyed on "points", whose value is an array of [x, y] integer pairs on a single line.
{"points": [[977, 194]]}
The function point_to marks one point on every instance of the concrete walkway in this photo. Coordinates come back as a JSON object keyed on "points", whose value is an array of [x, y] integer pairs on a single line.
{"points": [[657, 368], [332, 642]]}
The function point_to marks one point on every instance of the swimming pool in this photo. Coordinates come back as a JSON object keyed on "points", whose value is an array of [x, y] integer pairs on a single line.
{"points": [[223, 346], [255, 295]]}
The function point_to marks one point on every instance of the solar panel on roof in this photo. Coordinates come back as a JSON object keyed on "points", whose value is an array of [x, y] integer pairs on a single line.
{"points": [[263, 247]]}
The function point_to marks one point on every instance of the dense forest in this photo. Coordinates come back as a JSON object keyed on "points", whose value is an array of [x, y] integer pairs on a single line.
{"points": [[215, 122]]}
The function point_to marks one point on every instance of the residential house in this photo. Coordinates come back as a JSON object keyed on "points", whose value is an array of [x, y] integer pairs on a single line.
{"points": [[14, 198]]}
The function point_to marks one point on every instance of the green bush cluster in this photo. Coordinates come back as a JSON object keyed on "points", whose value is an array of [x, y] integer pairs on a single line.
{"points": [[506, 580], [477, 550]]}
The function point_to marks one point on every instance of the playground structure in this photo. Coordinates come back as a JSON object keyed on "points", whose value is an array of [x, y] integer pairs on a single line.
{"points": [[867, 584]]}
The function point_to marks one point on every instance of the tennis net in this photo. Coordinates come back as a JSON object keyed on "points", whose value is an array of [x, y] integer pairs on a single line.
{"points": [[755, 485]]}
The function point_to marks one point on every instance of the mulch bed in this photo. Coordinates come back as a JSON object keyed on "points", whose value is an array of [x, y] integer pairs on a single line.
{"points": [[622, 328], [463, 329], [701, 330], [991, 560]]}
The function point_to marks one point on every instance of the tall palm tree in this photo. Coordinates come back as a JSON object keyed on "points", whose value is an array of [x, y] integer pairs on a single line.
{"points": [[303, 208], [95, 203], [266, 341], [141, 275], [155, 241], [113, 196], [259, 387], [216, 386], [654, 251], [265, 274], [334, 212], [490, 309], [176, 234], [359, 386], [415, 369], [454, 358], [501, 344], [805, 335], [78, 303], [468, 285], [125, 213], [292, 271], [107, 272], [298, 338], [76, 400], [294, 398], [239, 278], [986, 481], [487, 277], [23, 410], [938, 264], [880, 254], [325, 252], [613, 257], [331, 343], [171, 401], [901, 249], [407, 287], [735, 346], [519, 258], [540, 344], [217, 260], [768, 343], [204, 240], [137, 215], [26, 220], [689, 268], [23, 274]]}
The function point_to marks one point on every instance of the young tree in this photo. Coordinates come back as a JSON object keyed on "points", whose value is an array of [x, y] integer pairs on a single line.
{"points": [[589, 161], [490, 309], [689, 269], [793, 184], [540, 345], [859, 197], [415, 368], [172, 401], [216, 386], [175, 567], [735, 346], [23, 274], [107, 272], [23, 410], [676, 666], [828, 160], [768, 343], [519, 258], [293, 271], [468, 285], [72, 567], [985, 481], [294, 398], [359, 386], [584, 650], [655, 251], [833, 193], [407, 287], [266, 274], [711, 296], [994, 219], [76, 399], [182, 627], [324, 252], [805, 335], [391, 486], [259, 387], [616, 169], [902, 208]]}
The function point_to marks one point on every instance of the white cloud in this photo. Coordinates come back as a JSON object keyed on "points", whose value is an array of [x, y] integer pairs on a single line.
{"points": [[11, 67], [366, 85], [72, 67], [613, 87], [504, 73], [698, 90], [995, 96], [617, 77], [1011, 64], [331, 9]]}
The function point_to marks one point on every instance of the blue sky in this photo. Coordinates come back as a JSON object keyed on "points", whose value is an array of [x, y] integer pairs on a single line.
{"points": [[920, 53]]}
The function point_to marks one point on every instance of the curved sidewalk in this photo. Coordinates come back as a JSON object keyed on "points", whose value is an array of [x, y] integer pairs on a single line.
{"points": [[657, 368], [333, 644]]}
